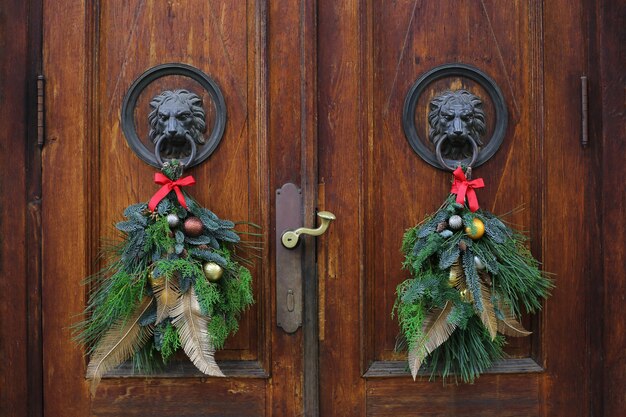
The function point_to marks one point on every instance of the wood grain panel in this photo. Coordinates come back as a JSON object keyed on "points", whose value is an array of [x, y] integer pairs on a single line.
{"points": [[185, 398], [610, 87], [570, 233], [341, 148], [66, 196], [286, 138], [501, 396], [14, 223]]}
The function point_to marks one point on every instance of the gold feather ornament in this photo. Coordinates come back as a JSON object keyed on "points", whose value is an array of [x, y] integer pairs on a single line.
{"points": [[467, 288], [154, 297], [124, 338], [166, 295], [437, 329], [192, 327]]}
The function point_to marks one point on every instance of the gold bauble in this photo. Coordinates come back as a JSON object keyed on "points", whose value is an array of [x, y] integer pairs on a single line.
{"points": [[212, 271], [466, 296], [478, 227], [456, 273]]}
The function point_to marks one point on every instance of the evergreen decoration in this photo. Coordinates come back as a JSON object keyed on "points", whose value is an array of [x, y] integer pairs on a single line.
{"points": [[468, 288], [153, 297]]}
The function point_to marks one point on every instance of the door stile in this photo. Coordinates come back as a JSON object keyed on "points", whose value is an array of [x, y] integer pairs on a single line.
{"points": [[65, 227], [34, 143], [308, 35]]}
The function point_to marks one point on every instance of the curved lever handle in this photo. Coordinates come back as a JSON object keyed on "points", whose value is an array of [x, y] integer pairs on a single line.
{"points": [[291, 237]]}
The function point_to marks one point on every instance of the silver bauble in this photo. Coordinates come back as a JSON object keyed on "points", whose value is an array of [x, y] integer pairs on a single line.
{"points": [[455, 222], [173, 220], [479, 264]]}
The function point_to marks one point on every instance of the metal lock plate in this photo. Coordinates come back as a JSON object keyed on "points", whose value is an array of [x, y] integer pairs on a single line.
{"points": [[289, 215]]}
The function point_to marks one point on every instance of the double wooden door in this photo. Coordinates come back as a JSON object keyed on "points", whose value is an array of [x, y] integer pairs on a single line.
{"points": [[314, 92]]}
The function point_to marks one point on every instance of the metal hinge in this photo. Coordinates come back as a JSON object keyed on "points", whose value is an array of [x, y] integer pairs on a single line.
{"points": [[41, 107], [584, 101]]}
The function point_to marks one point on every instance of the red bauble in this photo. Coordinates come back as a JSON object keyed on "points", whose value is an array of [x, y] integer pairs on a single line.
{"points": [[193, 227]]}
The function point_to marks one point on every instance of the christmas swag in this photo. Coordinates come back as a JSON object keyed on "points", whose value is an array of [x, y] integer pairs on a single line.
{"points": [[471, 279], [173, 282]]}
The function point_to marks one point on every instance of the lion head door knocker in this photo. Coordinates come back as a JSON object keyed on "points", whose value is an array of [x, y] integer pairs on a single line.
{"points": [[176, 119], [456, 119], [177, 123], [457, 123]]}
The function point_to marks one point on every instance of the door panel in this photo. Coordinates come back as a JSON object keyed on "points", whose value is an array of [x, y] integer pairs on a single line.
{"points": [[213, 37], [378, 187], [111, 45]]}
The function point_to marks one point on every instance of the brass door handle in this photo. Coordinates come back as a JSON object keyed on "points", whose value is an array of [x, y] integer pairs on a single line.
{"points": [[291, 237]]}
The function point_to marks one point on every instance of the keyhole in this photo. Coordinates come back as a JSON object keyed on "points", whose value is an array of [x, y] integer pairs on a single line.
{"points": [[291, 302]]}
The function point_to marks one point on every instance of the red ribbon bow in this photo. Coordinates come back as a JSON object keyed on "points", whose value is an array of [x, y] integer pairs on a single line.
{"points": [[462, 187], [169, 185]]}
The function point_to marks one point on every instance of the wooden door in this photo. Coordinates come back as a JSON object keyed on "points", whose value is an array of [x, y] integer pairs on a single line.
{"points": [[370, 54], [93, 51], [314, 93]]}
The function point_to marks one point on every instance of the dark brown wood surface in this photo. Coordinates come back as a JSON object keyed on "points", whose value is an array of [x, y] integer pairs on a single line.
{"points": [[569, 233], [314, 90], [14, 219], [610, 44], [378, 187], [112, 45]]}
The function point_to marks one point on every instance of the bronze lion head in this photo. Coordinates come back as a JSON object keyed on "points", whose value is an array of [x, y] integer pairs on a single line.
{"points": [[178, 116], [455, 117]]}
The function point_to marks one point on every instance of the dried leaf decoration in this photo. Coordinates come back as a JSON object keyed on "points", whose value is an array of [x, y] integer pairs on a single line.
{"points": [[192, 327], [119, 344], [509, 325], [437, 330], [166, 294], [488, 315]]}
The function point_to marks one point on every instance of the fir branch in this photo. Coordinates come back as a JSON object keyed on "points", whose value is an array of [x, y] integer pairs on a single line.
{"points": [[416, 260], [135, 208], [200, 240], [449, 253], [472, 279], [209, 256]]}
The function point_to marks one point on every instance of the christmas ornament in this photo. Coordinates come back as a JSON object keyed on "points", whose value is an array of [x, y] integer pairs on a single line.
{"points": [[212, 271], [173, 220], [479, 264], [456, 222], [468, 288], [156, 295], [476, 229], [193, 227]]}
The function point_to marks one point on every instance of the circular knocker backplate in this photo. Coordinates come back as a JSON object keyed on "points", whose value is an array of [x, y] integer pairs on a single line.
{"points": [[453, 119], [178, 107]]}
